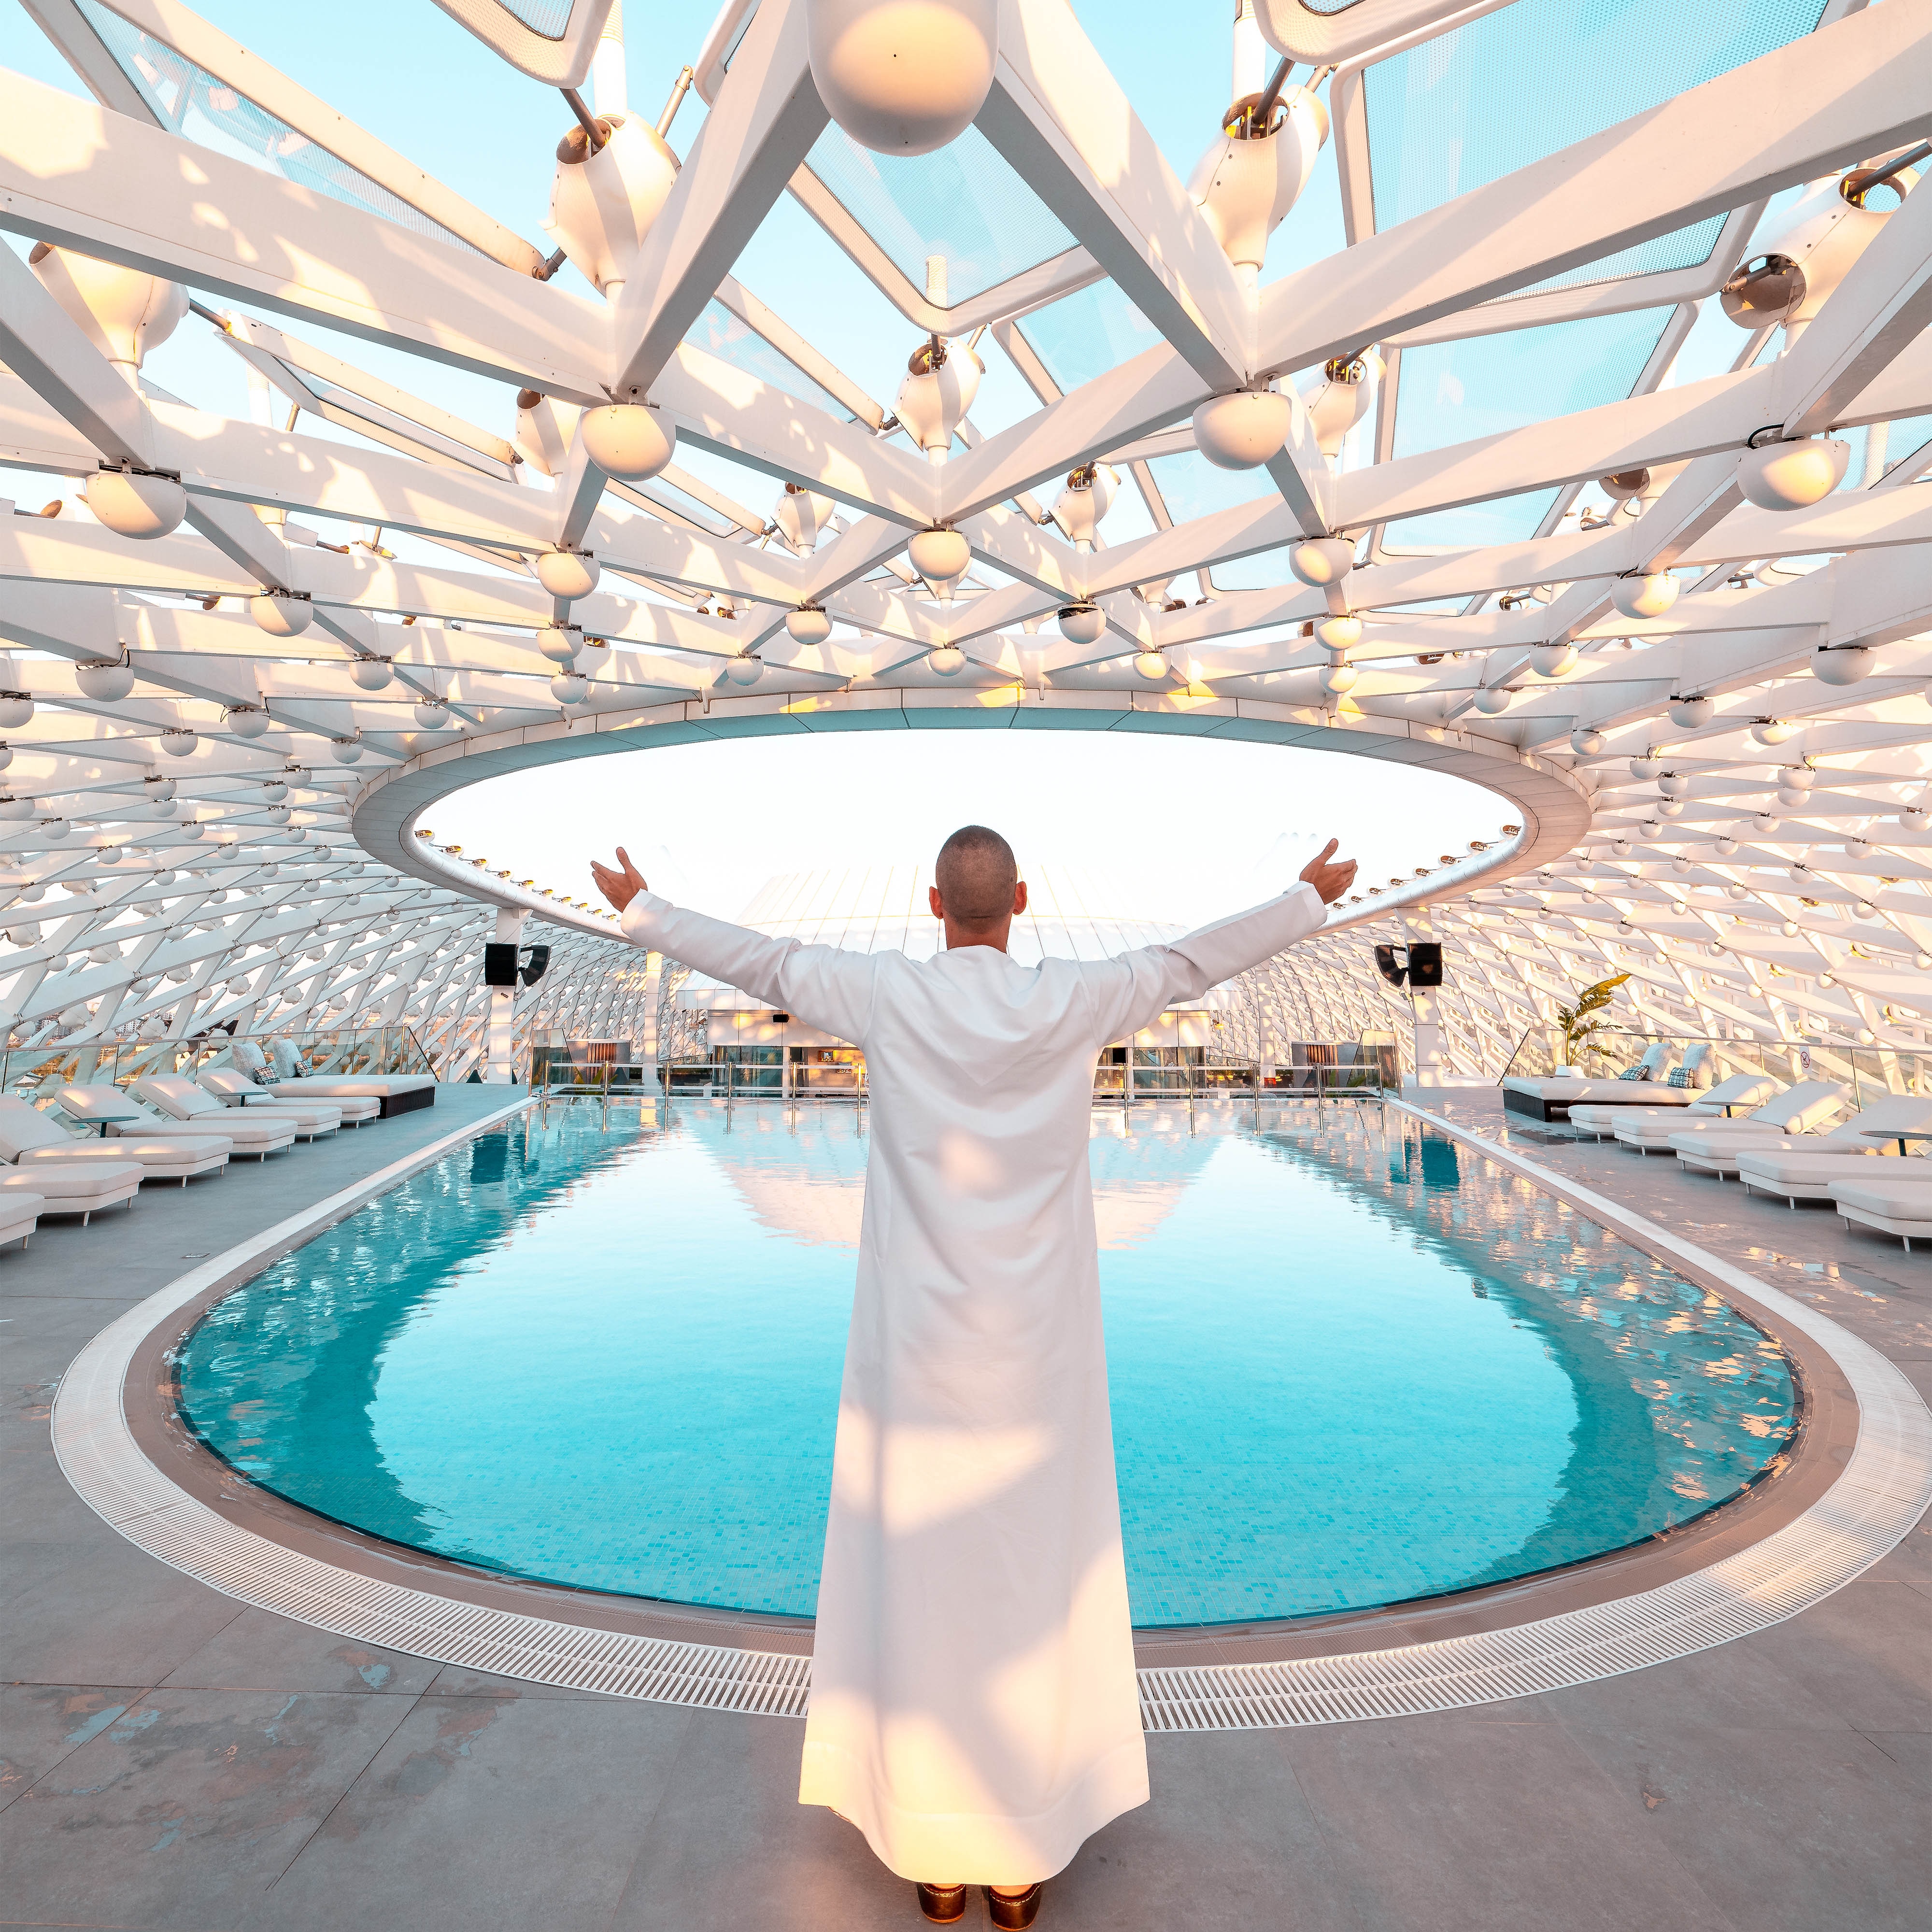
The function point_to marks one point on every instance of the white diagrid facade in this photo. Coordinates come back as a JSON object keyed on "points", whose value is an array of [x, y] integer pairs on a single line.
{"points": [[1588, 471]]}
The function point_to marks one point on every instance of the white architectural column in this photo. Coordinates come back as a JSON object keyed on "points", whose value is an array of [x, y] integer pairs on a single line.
{"points": [[1417, 923], [500, 1065]]}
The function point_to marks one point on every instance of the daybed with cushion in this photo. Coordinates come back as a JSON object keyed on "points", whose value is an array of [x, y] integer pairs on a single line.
{"points": [[1798, 1110], [1719, 1103], [19, 1215], [181, 1099], [1640, 1085], [398, 1093], [227, 1085], [1893, 1205], [1803, 1169], [34, 1140], [118, 1117], [84, 1187], [1794, 1174]]}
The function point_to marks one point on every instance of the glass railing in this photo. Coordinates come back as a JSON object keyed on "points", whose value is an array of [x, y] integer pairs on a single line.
{"points": [[35, 1073], [1868, 1071]]}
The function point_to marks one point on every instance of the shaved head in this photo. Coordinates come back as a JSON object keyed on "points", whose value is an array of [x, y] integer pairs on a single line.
{"points": [[976, 874]]}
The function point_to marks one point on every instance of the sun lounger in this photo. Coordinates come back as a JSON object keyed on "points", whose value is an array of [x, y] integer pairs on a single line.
{"points": [[181, 1099], [33, 1139], [234, 1088], [1640, 1085], [1797, 1172], [120, 1116], [1850, 1139], [20, 1214], [1741, 1090], [84, 1187], [1892, 1204], [1811, 1103]]}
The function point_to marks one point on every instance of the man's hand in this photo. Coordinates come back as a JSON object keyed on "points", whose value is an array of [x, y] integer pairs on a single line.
{"points": [[621, 888], [1331, 881]]}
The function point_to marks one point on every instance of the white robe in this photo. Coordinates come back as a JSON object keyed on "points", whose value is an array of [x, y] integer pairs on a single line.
{"points": [[974, 1709]]}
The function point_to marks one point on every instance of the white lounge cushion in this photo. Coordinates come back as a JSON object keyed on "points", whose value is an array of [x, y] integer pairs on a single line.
{"points": [[171, 1155], [222, 1084], [23, 1125], [1812, 1174], [19, 1213], [382, 1086], [188, 1105], [1897, 1207], [123, 1119], [81, 1187]]}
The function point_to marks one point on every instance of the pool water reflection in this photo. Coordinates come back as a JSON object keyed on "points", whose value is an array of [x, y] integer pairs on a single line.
{"points": [[1351, 1364]]}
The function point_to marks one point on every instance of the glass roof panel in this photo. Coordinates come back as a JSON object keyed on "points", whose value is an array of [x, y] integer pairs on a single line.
{"points": [[547, 17], [964, 204], [1501, 520], [720, 333], [1458, 111], [1453, 392], [1086, 333], [1877, 447], [191, 102], [1193, 487]]}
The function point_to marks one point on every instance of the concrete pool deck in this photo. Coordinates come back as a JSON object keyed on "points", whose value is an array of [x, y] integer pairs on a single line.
{"points": [[173, 1758]]}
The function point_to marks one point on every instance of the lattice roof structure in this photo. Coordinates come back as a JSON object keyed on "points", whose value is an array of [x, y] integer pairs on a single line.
{"points": [[1585, 469]]}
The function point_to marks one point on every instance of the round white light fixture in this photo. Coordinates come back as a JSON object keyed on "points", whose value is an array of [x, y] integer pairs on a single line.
{"points": [[1241, 431], [562, 643], [745, 669], [1083, 623], [247, 720], [1338, 677], [372, 674], [1342, 632], [1152, 666], [14, 810], [1586, 744], [1322, 561], [1645, 768], [345, 750], [1692, 714], [55, 830], [1673, 784], [630, 441], [17, 709], [939, 556], [104, 680], [280, 614], [1841, 666], [432, 714], [1772, 730], [569, 688], [808, 624], [1726, 848], [1493, 700], [1644, 594], [568, 573], [1793, 475], [134, 503], [1553, 660], [902, 77], [179, 742], [946, 660]]}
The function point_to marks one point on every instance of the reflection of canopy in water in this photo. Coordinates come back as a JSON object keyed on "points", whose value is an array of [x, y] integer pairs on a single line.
{"points": [[807, 1179], [1617, 1440]]}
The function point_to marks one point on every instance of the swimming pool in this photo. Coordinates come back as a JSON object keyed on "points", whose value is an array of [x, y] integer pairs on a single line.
{"points": [[1352, 1362]]}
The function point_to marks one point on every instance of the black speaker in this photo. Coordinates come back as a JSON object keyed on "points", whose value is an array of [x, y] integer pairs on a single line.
{"points": [[1386, 965], [536, 964], [499, 964], [1425, 965]]}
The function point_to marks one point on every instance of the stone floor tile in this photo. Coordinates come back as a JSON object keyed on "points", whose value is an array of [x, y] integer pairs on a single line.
{"points": [[1911, 1751], [1792, 1831], [487, 1814], [1440, 1825], [730, 1845], [41, 1723], [1865, 1653], [185, 1808], [259, 1650], [97, 1610]]}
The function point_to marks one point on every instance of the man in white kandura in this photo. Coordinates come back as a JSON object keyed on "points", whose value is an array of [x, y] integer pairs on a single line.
{"points": [[974, 1705]]}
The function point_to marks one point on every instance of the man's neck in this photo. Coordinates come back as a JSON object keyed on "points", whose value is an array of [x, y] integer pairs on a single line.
{"points": [[995, 936]]}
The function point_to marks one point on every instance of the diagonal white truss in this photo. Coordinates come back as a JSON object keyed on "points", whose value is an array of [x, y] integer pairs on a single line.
{"points": [[1816, 920]]}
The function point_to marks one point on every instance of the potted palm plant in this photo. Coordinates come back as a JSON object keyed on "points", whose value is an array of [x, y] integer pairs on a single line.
{"points": [[1577, 1022]]}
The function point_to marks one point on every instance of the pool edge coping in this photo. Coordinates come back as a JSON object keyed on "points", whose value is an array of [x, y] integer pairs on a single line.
{"points": [[113, 1440]]}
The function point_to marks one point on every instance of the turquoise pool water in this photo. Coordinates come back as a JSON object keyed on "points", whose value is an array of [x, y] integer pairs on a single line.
{"points": [[1350, 1365]]}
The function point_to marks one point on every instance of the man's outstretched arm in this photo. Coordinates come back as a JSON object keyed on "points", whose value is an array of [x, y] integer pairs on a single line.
{"points": [[827, 989], [1132, 990]]}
